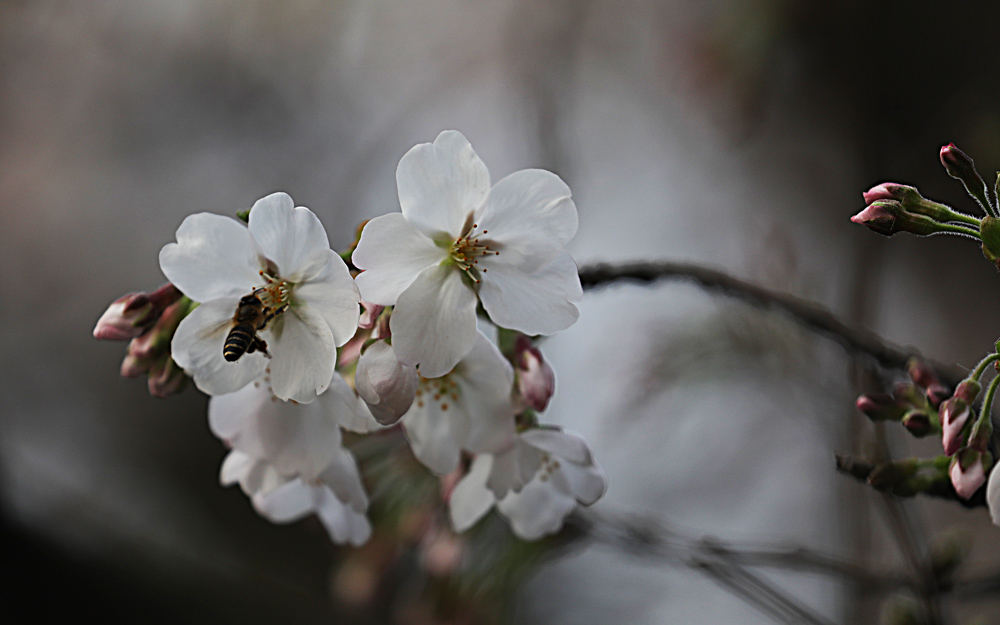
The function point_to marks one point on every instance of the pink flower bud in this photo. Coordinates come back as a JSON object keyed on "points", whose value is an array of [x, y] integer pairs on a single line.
{"points": [[384, 383], [918, 423], [937, 393], [968, 390], [536, 382], [370, 315], [166, 378], [954, 415], [960, 165], [881, 407], [134, 314], [968, 472], [891, 191], [921, 373], [880, 217]]}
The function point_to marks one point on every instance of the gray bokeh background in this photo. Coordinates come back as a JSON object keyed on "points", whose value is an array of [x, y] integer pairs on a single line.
{"points": [[734, 134]]}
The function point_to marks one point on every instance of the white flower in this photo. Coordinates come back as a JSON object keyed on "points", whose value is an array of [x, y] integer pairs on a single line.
{"points": [[289, 457], [284, 501], [458, 241], [993, 495], [469, 408], [285, 253], [536, 481]]}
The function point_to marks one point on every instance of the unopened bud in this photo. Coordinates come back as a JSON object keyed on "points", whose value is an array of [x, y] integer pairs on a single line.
{"points": [[989, 232], [910, 199], [918, 423], [954, 415], [960, 166], [155, 342], [881, 407], [134, 314], [887, 217], [166, 378], [921, 373], [968, 471], [968, 390], [536, 382], [937, 393], [385, 384]]}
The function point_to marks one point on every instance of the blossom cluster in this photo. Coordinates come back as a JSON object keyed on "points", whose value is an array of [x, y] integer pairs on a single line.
{"points": [[254, 314]]}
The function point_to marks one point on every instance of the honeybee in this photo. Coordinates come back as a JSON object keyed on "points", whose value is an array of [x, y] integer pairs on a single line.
{"points": [[251, 317]]}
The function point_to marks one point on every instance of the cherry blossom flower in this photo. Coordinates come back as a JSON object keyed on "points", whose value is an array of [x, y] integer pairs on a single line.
{"points": [[289, 457], [457, 242], [283, 256], [386, 385], [469, 408], [993, 495], [535, 481]]}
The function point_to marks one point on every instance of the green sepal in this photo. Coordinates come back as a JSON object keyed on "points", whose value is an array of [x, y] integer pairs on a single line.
{"points": [[989, 231], [243, 216]]}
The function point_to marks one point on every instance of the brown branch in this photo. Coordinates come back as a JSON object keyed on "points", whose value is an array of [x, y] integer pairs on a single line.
{"points": [[809, 314]]}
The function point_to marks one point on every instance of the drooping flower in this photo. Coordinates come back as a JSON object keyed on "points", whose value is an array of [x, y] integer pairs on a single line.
{"points": [[284, 257], [289, 457], [535, 481], [458, 242], [469, 408]]}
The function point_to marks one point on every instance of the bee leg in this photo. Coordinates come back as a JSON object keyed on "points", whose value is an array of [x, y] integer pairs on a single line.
{"points": [[259, 345]]}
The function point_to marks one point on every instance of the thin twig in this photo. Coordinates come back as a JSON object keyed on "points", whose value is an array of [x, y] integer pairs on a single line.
{"points": [[811, 315]]}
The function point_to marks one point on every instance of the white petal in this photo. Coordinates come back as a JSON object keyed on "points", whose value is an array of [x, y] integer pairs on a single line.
{"points": [[993, 496], [485, 381], [393, 253], [255, 476], [513, 468], [470, 499], [197, 348], [343, 524], [386, 385], [440, 184], [566, 445], [303, 355], [434, 322], [214, 257], [435, 437], [235, 465], [291, 238], [343, 478], [538, 510], [227, 414], [333, 295], [290, 502], [535, 303], [529, 216], [586, 483], [347, 408]]}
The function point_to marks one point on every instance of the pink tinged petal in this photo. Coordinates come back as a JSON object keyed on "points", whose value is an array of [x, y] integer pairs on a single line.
{"points": [[538, 510], [967, 482], [529, 216], [435, 436], [513, 468], [993, 496], [343, 524], [393, 253], [292, 238], [485, 379], [384, 383], [350, 412], [333, 295], [535, 303], [343, 478], [197, 348], [470, 499], [440, 184], [434, 321], [565, 445], [586, 483], [304, 355], [214, 257]]}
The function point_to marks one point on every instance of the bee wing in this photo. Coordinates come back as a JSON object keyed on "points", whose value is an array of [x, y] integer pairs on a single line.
{"points": [[208, 331]]}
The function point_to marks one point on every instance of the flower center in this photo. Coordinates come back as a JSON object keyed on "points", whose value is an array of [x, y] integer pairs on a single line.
{"points": [[276, 293], [441, 390], [466, 251]]}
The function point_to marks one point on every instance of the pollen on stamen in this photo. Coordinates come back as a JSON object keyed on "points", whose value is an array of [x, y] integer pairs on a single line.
{"points": [[444, 406]]}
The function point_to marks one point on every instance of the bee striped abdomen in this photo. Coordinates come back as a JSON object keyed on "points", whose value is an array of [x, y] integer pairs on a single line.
{"points": [[238, 342]]}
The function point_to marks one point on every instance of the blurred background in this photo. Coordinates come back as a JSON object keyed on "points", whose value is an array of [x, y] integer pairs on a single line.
{"points": [[735, 134]]}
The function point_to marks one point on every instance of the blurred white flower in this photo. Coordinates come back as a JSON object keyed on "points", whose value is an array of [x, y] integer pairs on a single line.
{"points": [[458, 241], [285, 253], [535, 481], [470, 408], [289, 457]]}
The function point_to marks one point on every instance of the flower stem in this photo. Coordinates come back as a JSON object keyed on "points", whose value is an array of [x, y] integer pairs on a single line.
{"points": [[981, 367]]}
